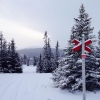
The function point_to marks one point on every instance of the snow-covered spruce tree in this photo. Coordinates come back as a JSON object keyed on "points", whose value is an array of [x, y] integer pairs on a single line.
{"points": [[99, 38], [57, 55], [39, 65], [4, 63], [21, 60], [69, 73], [97, 51], [18, 66], [48, 57], [28, 60], [25, 59], [45, 53], [12, 56], [1, 42], [66, 64], [35, 61], [15, 60], [9, 58], [51, 61]]}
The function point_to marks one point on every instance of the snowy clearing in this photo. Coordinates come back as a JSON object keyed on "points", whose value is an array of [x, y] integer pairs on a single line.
{"points": [[34, 86]]}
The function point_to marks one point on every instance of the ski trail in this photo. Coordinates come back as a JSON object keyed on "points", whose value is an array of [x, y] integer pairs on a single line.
{"points": [[25, 86], [8, 82], [6, 86], [27, 89], [22, 90], [10, 90], [34, 91]]}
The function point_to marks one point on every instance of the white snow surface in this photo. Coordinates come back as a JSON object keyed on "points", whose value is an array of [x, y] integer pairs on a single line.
{"points": [[36, 86]]}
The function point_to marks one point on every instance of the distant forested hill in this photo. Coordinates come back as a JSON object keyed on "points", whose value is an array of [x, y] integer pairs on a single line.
{"points": [[30, 52]]}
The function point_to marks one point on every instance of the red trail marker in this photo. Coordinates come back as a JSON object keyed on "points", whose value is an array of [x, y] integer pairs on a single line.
{"points": [[79, 45]]}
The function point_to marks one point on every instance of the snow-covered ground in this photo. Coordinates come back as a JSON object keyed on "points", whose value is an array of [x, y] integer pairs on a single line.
{"points": [[34, 86]]}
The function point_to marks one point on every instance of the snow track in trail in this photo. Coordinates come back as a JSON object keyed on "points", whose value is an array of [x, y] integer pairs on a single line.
{"points": [[9, 91], [24, 86], [8, 82]]}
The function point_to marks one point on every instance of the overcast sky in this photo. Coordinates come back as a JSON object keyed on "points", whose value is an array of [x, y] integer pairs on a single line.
{"points": [[27, 20]]}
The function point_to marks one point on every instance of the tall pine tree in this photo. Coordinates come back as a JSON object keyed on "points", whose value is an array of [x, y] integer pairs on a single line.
{"points": [[9, 62], [57, 55], [48, 57], [69, 73], [39, 65], [99, 39], [97, 51], [51, 61], [4, 57], [15, 60], [45, 53], [1, 43]]}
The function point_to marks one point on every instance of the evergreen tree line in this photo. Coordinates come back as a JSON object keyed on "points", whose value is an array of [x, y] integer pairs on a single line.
{"points": [[68, 75], [48, 61], [9, 58], [25, 60]]}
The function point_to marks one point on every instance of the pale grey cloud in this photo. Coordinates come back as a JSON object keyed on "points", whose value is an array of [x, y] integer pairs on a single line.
{"points": [[23, 36], [27, 18]]}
